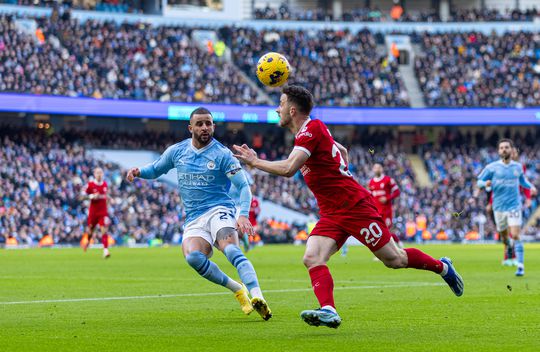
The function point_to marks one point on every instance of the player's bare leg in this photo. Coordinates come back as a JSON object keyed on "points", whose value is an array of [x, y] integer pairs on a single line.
{"points": [[227, 242], [197, 252], [89, 237], [319, 249], [397, 258], [508, 246], [518, 245], [105, 242]]}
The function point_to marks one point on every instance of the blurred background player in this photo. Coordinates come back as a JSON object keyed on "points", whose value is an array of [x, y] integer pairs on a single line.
{"points": [[346, 208], [384, 189], [254, 211], [97, 213], [205, 171], [510, 260], [504, 177]]}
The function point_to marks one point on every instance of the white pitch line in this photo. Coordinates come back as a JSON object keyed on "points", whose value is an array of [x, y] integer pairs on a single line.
{"points": [[205, 294], [170, 279]]}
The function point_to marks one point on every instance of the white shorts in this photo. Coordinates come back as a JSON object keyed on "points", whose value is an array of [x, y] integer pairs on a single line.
{"points": [[208, 224], [504, 219]]}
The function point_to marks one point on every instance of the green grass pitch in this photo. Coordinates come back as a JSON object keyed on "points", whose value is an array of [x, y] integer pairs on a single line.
{"points": [[150, 300]]}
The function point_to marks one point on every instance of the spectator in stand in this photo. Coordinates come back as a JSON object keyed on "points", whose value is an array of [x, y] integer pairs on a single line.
{"points": [[472, 69], [341, 68], [107, 60]]}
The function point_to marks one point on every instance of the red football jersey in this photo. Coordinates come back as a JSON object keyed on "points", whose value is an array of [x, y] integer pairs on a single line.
{"points": [[384, 186], [97, 206], [254, 211], [326, 173]]}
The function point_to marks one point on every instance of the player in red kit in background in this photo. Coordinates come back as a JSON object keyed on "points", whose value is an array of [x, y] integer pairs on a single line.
{"points": [[254, 211], [384, 189], [97, 213], [346, 208]]}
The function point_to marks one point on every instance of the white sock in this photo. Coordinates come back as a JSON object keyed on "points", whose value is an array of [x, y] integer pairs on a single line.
{"points": [[329, 308], [233, 285], [444, 269], [256, 292]]}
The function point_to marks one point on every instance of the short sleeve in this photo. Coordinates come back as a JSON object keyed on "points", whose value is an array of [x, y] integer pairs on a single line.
{"points": [[229, 164], [307, 139]]}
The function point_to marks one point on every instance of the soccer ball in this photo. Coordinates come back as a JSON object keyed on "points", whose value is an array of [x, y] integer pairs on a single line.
{"points": [[273, 69]]}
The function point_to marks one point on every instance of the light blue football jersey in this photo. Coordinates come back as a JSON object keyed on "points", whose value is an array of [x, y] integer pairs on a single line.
{"points": [[203, 180], [505, 182]]}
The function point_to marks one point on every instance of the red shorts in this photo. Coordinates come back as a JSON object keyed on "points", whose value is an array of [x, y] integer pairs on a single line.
{"points": [[362, 221], [97, 219]]}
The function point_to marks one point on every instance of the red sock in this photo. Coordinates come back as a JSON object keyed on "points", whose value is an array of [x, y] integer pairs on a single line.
{"points": [[505, 252], [105, 241], [395, 237], [323, 285], [420, 260]]}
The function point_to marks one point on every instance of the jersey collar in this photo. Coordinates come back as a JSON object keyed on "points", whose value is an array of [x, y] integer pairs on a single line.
{"points": [[303, 126], [377, 179], [199, 151]]}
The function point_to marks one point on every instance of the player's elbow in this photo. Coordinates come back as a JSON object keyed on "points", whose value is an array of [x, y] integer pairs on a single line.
{"points": [[289, 171]]}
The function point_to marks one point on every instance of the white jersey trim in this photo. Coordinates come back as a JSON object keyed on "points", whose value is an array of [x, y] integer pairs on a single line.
{"points": [[305, 150]]}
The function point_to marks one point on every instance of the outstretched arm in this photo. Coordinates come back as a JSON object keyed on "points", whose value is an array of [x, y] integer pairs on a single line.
{"points": [[159, 167], [287, 167]]}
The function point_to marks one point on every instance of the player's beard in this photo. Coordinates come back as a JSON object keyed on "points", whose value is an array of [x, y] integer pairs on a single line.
{"points": [[284, 121], [204, 139], [505, 156]]}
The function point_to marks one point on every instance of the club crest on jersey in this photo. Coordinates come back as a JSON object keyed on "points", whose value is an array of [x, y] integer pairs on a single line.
{"points": [[211, 165], [382, 185], [516, 173]]}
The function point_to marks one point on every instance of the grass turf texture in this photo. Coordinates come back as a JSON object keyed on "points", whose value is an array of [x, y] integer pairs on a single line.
{"points": [[497, 312]]}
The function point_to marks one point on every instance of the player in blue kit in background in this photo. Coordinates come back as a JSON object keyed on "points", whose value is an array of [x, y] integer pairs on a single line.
{"points": [[206, 169], [504, 177]]}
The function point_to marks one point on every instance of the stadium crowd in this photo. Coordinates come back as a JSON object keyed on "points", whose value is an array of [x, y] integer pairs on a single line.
{"points": [[138, 61], [341, 68], [122, 6], [472, 69], [42, 176], [106, 60], [396, 13]]}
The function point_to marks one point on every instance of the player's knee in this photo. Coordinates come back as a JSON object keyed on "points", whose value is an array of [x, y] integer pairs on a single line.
{"points": [[311, 260], [195, 259]]}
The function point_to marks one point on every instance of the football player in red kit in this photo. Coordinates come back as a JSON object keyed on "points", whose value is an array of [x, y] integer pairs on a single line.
{"points": [[254, 211], [384, 190], [97, 213], [346, 208]]}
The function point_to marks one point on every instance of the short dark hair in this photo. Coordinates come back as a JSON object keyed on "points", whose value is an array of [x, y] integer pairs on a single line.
{"points": [[200, 111], [506, 140], [299, 96]]}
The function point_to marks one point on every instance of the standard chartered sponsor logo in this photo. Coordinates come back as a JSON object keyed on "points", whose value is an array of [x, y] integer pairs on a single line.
{"points": [[188, 179]]}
